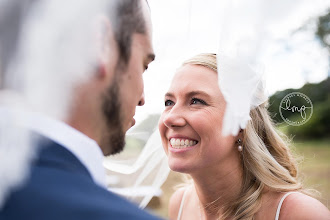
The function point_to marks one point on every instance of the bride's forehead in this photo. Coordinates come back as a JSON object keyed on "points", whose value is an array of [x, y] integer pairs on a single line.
{"points": [[194, 76], [182, 86], [192, 70]]}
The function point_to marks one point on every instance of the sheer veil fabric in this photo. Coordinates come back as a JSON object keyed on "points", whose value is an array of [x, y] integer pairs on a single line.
{"points": [[242, 82], [30, 34], [241, 74], [37, 58], [139, 179], [15, 151], [243, 88], [243, 37]]}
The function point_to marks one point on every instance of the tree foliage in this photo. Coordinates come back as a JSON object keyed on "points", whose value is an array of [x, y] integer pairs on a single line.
{"points": [[323, 29], [319, 124]]}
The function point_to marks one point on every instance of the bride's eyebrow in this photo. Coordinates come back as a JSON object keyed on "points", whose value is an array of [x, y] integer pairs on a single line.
{"points": [[168, 94], [190, 94], [197, 92]]}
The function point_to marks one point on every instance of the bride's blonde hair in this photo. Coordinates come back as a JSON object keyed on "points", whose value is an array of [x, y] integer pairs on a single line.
{"points": [[266, 158]]}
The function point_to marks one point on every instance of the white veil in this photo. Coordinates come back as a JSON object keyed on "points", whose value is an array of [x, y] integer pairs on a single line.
{"points": [[39, 43], [139, 179], [50, 36], [243, 38], [241, 79], [15, 151]]}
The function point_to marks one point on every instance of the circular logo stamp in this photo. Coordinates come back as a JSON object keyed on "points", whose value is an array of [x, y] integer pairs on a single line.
{"points": [[296, 108]]}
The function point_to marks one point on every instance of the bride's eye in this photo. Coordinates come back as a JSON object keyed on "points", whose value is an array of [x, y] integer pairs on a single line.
{"points": [[168, 102], [197, 101]]}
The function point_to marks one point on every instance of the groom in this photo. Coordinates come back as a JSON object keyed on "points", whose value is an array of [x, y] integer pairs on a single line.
{"points": [[67, 180]]}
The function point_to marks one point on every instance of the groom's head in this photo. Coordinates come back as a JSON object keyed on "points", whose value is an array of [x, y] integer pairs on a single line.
{"points": [[105, 105], [88, 65]]}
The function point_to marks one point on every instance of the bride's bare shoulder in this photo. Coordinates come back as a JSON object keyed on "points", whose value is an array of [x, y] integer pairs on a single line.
{"points": [[301, 206], [175, 202]]}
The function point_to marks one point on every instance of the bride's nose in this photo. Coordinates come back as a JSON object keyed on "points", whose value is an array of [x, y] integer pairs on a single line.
{"points": [[175, 117]]}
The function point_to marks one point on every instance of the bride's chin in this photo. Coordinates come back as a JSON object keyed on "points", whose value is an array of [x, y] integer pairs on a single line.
{"points": [[176, 166]]}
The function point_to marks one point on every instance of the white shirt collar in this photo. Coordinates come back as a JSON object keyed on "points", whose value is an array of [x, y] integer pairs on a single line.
{"points": [[83, 147]]}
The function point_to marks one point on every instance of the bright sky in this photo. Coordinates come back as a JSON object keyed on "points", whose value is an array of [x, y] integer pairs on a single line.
{"points": [[185, 28]]}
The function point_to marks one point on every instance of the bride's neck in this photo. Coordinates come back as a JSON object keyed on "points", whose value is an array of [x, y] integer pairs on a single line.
{"points": [[217, 188]]}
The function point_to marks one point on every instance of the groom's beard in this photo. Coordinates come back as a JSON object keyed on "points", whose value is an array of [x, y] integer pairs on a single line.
{"points": [[114, 136]]}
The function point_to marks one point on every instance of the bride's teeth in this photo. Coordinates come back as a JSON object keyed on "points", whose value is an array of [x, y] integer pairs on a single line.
{"points": [[172, 141], [182, 143]]}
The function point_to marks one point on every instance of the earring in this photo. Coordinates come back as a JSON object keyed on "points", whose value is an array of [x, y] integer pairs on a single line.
{"points": [[240, 147]]}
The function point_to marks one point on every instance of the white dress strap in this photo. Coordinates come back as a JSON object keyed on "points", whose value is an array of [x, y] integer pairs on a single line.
{"points": [[182, 203], [280, 204]]}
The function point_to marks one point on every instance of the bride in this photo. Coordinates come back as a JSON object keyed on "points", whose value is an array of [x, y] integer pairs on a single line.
{"points": [[251, 175]]}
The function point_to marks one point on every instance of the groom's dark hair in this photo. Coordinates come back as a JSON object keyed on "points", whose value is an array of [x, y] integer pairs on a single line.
{"points": [[128, 19]]}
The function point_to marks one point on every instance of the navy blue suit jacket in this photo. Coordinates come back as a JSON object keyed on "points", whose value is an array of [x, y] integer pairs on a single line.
{"points": [[60, 187]]}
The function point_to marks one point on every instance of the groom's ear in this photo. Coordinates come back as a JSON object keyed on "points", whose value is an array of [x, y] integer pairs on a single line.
{"points": [[106, 48]]}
